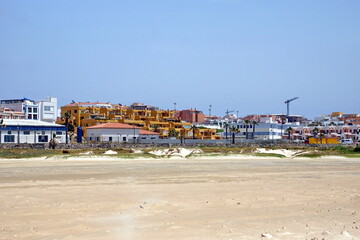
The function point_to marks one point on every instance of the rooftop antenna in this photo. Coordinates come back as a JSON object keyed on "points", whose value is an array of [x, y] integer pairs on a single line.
{"points": [[210, 110], [175, 106], [287, 104]]}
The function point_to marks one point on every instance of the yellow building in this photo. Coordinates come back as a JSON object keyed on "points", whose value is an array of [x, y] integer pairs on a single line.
{"points": [[206, 133], [336, 114], [146, 117]]}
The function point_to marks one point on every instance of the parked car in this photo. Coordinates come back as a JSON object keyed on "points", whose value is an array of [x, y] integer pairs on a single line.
{"points": [[347, 141]]}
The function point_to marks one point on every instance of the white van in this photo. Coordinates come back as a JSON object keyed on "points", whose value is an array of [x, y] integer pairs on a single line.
{"points": [[347, 141]]}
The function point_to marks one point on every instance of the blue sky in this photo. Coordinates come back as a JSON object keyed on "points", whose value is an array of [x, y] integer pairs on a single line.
{"points": [[247, 56]]}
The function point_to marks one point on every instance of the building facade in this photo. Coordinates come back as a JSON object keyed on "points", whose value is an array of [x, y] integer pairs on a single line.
{"points": [[146, 117], [43, 110], [30, 131], [339, 131], [191, 116], [7, 113], [118, 132]]}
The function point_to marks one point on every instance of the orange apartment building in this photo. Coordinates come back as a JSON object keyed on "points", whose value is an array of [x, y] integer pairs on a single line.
{"points": [[87, 114]]}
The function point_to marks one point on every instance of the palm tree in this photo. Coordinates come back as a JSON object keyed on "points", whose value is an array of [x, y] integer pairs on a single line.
{"points": [[67, 116], [247, 122], [254, 123], [315, 131], [182, 138], [321, 136], [283, 119], [193, 128], [226, 125], [234, 130], [155, 127], [173, 133], [289, 131]]}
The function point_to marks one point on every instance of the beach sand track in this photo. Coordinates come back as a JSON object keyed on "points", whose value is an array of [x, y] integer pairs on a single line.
{"points": [[180, 199]]}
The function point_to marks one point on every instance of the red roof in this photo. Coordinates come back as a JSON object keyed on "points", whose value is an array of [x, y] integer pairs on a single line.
{"points": [[113, 125], [144, 132]]}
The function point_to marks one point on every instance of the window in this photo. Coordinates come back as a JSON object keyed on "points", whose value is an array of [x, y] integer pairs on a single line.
{"points": [[29, 109], [43, 132], [143, 137], [26, 132], [35, 116], [43, 138], [35, 110], [29, 116], [110, 139], [124, 139], [75, 111], [58, 133], [48, 108], [9, 132], [153, 137], [9, 138]]}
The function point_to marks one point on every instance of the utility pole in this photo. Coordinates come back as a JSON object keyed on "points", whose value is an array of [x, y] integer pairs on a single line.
{"points": [[210, 110], [175, 106]]}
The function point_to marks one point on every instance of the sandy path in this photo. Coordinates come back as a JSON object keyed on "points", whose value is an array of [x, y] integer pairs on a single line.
{"points": [[180, 199]]}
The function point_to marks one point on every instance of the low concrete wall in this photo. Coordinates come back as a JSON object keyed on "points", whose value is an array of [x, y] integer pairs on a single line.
{"points": [[23, 146], [170, 143]]}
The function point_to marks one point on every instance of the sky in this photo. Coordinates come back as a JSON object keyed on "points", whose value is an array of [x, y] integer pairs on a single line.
{"points": [[247, 56]]}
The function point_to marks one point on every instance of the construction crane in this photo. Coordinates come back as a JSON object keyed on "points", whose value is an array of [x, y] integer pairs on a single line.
{"points": [[227, 111], [287, 103]]}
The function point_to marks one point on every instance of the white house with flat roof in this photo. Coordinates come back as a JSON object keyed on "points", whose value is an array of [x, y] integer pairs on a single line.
{"points": [[118, 132], [30, 131]]}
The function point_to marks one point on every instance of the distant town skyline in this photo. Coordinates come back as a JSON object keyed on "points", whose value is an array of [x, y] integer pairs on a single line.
{"points": [[246, 56]]}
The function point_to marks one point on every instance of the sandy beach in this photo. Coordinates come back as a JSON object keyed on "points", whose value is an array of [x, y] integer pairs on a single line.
{"points": [[220, 198]]}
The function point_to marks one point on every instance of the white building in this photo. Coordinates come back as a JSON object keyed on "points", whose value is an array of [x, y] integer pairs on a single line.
{"points": [[328, 120], [118, 132], [148, 135], [259, 131], [43, 110], [30, 131], [48, 110], [340, 132]]}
